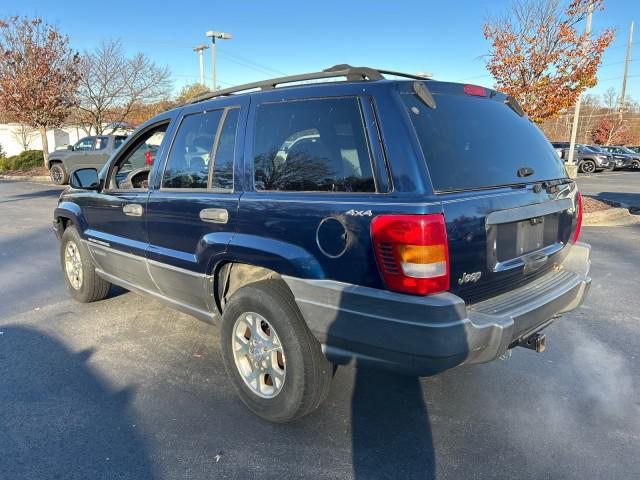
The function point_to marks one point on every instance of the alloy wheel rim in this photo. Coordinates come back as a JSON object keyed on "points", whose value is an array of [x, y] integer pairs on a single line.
{"points": [[258, 354], [73, 265], [588, 167]]}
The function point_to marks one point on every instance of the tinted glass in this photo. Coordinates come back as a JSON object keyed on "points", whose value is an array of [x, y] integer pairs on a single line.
{"points": [[473, 142], [223, 163], [84, 144], [312, 145], [101, 143], [188, 163]]}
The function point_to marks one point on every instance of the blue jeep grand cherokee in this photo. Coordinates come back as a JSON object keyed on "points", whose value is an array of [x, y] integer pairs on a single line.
{"points": [[409, 224]]}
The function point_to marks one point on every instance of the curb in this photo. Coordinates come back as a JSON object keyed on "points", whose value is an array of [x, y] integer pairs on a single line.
{"points": [[27, 178], [609, 218]]}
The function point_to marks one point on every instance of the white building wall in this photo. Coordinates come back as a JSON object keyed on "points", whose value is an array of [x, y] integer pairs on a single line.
{"points": [[58, 138]]}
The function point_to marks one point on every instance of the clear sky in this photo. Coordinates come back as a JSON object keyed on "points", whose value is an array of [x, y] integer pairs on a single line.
{"points": [[277, 37]]}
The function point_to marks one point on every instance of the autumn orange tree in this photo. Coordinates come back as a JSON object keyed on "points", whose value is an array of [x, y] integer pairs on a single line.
{"points": [[539, 57], [611, 130], [38, 74]]}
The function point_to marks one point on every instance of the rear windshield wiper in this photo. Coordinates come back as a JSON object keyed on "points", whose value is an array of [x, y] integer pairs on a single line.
{"points": [[525, 171]]}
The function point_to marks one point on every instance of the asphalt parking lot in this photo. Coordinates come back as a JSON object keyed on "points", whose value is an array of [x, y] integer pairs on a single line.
{"points": [[622, 186], [128, 388]]}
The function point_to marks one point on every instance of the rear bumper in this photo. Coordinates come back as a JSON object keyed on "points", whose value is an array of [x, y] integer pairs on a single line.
{"points": [[427, 335]]}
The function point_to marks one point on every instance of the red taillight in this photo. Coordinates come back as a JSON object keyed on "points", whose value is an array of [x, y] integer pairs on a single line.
{"points": [[412, 252], [576, 232], [475, 90]]}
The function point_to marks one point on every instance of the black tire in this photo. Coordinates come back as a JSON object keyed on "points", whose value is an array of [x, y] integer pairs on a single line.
{"points": [[635, 165], [58, 174], [92, 287], [588, 166], [308, 373]]}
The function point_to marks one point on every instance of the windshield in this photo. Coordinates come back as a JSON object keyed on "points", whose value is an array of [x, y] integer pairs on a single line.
{"points": [[472, 142]]}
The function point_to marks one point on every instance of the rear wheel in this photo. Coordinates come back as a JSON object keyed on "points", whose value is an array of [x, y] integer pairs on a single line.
{"points": [[58, 173], [274, 361], [588, 166], [83, 282], [635, 165]]}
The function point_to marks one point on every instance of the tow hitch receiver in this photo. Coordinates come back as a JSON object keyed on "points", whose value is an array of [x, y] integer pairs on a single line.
{"points": [[537, 342]]}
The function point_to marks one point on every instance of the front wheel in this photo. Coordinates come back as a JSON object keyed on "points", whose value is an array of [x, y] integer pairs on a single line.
{"points": [[58, 174], [274, 361], [587, 166], [84, 284]]}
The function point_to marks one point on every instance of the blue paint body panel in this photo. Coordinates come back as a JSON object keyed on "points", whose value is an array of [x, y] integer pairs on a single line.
{"points": [[281, 230]]}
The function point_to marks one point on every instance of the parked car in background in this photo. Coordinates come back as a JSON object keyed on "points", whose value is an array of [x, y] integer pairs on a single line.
{"points": [[588, 160], [88, 152], [406, 225], [618, 162], [635, 148], [631, 157]]}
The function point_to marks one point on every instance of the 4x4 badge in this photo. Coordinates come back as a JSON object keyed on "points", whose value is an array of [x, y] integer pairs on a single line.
{"points": [[359, 213], [469, 278]]}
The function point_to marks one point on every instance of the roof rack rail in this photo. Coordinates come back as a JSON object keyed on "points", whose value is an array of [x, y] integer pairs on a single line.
{"points": [[353, 74], [402, 74]]}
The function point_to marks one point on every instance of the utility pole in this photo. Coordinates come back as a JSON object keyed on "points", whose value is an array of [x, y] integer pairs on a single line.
{"points": [[200, 49], [626, 70], [213, 35], [572, 168]]}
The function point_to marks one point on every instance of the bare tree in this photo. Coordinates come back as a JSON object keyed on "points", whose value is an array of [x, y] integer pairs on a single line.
{"points": [[38, 74], [24, 135], [114, 85]]}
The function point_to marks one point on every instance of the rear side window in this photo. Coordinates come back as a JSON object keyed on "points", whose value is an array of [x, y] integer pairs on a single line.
{"points": [[188, 162], [474, 142], [312, 145]]}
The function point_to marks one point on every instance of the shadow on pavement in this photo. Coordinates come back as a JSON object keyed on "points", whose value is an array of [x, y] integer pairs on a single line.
{"points": [[46, 193], [391, 434], [390, 427], [58, 419], [631, 199]]}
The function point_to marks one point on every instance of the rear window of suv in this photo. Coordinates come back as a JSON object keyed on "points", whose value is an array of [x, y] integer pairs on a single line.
{"points": [[472, 142]]}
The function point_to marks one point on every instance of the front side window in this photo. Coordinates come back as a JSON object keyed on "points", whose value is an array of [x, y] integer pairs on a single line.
{"points": [[312, 145], [188, 162], [132, 169], [84, 144]]}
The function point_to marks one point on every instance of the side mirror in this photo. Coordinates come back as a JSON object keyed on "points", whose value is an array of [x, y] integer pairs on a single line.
{"points": [[85, 179], [70, 147]]}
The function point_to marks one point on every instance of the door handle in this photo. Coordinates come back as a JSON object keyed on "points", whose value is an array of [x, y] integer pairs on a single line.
{"points": [[133, 210], [214, 215]]}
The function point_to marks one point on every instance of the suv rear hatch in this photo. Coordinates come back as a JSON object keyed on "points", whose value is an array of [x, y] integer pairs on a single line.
{"points": [[509, 207]]}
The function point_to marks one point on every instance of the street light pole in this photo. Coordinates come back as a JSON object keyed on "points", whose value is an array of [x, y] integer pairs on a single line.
{"points": [[200, 49], [213, 34], [626, 70], [572, 168]]}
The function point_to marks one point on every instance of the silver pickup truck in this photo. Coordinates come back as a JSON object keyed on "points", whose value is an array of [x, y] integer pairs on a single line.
{"points": [[88, 152]]}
